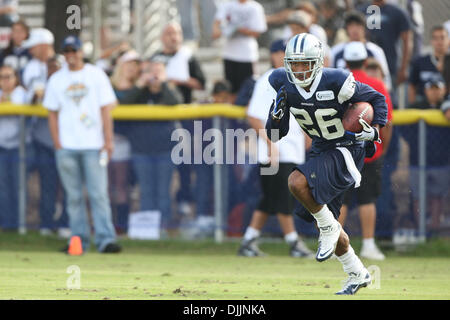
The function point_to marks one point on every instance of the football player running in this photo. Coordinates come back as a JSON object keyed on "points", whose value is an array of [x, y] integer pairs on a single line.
{"points": [[318, 97]]}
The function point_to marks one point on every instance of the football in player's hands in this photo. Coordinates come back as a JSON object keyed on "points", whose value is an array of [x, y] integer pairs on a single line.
{"points": [[355, 112]]}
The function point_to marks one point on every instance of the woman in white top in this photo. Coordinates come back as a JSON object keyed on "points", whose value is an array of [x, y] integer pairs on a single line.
{"points": [[10, 92]]}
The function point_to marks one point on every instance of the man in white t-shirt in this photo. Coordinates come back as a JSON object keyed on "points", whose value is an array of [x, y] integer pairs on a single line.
{"points": [[241, 22], [79, 98], [289, 152]]}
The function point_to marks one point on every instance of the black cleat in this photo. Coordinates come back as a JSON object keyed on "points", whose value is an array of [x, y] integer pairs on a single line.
{"points": [[298, 249], [249, 248], [112, 248]]}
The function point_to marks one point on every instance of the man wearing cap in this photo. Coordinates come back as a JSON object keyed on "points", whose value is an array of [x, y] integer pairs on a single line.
{"points": [[355, 55], [287, 153], [35, 76], [428, 66], [355, 27], [79, 98]]}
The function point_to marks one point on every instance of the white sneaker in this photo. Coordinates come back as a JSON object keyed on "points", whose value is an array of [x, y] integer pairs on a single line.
{"points": [[372, 253], [355, 282], [64, 233], [328, 238], [45, 232]]}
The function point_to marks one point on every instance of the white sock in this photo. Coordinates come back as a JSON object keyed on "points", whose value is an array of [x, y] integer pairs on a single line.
{"points": [[291, 237], [324, 217], [368, 243], [350, 261], [251, 233]]}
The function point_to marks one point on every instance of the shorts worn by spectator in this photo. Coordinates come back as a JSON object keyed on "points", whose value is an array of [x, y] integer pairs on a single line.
{"points": [[241, 22], [12, 92], [79, 98]]}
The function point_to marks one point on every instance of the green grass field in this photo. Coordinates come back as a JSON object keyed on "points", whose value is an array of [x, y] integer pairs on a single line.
{"points": [[31, 268]]}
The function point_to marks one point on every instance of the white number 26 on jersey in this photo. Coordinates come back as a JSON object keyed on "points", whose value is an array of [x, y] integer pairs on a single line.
{"points": [[325, 126]]}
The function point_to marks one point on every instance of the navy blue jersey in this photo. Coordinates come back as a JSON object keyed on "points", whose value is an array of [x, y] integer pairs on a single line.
{"points": [[319, 112]]}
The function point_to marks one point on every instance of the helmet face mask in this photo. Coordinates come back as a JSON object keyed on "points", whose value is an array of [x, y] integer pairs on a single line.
{"points": [[303, 59]]}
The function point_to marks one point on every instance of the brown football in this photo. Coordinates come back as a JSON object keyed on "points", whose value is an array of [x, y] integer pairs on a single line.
{"points": [[354, 112]]}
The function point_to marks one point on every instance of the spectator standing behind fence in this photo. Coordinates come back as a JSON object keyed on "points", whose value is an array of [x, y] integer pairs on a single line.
{"points": [[35, 76], [355, 56], [151, 144], [437, 158], [241, 22], [123, 80], [79, 98], [16, 55], [394, 26], [428, 66], [355, 27], [184, 70], [276, 198], [10, 92]]}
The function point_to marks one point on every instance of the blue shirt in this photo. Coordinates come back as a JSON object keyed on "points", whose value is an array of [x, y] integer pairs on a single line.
{"points": [[394, 21]]}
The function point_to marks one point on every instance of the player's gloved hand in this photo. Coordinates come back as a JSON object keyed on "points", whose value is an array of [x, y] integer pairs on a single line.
{"points": [[368, 133], [280, 104]]}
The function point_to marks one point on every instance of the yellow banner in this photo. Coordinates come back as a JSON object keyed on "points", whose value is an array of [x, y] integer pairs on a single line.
{"points": [[201, 111]]}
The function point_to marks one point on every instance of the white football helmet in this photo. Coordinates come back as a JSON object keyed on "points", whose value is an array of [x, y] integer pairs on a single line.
{"points": [[303, 47]]}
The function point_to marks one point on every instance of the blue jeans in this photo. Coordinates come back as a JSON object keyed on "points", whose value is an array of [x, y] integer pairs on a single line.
{"points": [[154, 175], [190, 17], [76, 168], [49, 183], [9, 188]]}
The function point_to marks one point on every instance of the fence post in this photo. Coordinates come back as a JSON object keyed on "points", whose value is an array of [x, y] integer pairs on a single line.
{"points": [[422, 180], [22, 178], [218, 190]]}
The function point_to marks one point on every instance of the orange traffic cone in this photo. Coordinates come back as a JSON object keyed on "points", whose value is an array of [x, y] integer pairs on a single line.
{"points": [[75, 248]]}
